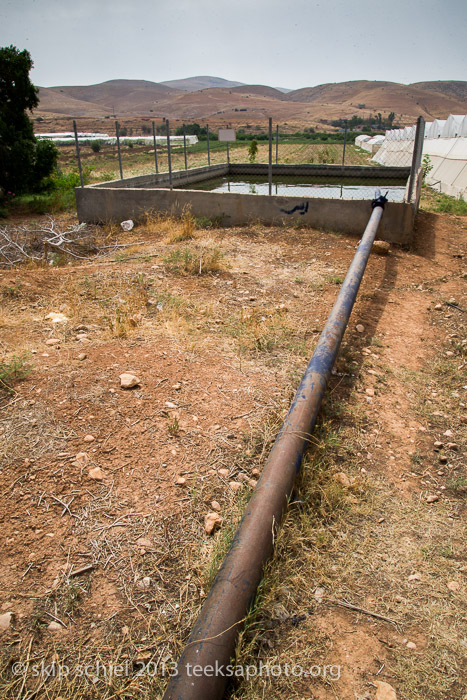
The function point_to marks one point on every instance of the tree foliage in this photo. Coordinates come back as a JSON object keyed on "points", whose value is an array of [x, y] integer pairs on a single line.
{"points": [[24, 163]]}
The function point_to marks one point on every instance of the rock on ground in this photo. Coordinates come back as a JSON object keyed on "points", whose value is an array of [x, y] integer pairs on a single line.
{"points": [[128, 381], [212, 522]]}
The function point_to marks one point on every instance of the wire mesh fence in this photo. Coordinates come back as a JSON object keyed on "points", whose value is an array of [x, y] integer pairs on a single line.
{"points": [[270, 161]]}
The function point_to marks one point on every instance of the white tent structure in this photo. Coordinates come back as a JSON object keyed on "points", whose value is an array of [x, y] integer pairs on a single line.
{"points": [[68, 138], [436, 129], [445, 144], [452, 127]]}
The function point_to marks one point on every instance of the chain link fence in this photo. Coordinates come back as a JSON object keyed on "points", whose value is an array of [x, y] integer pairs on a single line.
{"points": [[269, 161]]}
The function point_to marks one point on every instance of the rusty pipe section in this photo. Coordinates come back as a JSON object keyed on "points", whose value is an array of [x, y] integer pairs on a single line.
{"points": [[204, 666]]}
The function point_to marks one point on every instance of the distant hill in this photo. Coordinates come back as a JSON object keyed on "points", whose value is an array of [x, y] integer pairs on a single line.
{"points": [[262, 90], [222, 101], [450, 88], [200, 82]]}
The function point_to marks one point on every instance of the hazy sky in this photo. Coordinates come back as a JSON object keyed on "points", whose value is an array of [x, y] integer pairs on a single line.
{"points": [[292, 44]]}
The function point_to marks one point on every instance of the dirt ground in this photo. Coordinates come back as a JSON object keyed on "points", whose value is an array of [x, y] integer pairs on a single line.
{"points": [[105, 555]]}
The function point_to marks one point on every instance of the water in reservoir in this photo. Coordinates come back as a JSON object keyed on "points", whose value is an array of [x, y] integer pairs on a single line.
{"points": [[292, 185]]}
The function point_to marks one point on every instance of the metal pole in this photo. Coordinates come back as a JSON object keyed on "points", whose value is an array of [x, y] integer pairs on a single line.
{"points": [[270, 156], [155, 146], [117, 131], [78, 154], [184, 147], [169, 157], [212, 640], [207, 136], [345, 141], [277, 144], [417, 156], [228, 155]]}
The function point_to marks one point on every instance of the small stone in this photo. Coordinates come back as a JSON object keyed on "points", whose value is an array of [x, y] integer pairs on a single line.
{"points": [[252, 483], [177, 386], [342, 479], [53, 341], [438, 444], [212, 522], [384, 691], [235, 485], [82, 356], [452, 446], [54, 626], [128, 381], [414, 577], [370, 391], [448, 433], [454, 586], [438, 307], [381, 247], [5, 621], [181, 481], [125, 630], [443, 459], [215, 505], [144, 542], [360, 328], [319, 592], [96, 474], [89, 438], [432, 499], [144, 583], [81, 459], [255, 472], [243, 477], [223, 472], [381, 520], [56, 317], [411, 645], [169, 404]]}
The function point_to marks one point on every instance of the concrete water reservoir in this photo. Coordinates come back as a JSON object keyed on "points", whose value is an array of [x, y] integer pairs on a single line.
{"points": [[132, 198]]}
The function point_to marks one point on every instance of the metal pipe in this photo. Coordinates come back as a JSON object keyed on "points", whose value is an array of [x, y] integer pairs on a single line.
{"points": [[277, 144], [345, 142], [169, 158], [155, 146], [207, 139], [416, 156], [117, 132], [270, 157], [202, 669], [184, 147], [78, 154]]}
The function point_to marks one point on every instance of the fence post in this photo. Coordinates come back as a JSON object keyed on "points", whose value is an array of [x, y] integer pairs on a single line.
{"points": [[155, 146], [228, 155], [345, 141], [169, 158], [207, 136], [184, 147], [78, 154], [417, 155], [277, 144], [270, 156], [117, 131]]}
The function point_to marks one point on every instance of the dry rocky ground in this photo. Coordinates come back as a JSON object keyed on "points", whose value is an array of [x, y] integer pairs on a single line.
{"points": [[105, 554]]}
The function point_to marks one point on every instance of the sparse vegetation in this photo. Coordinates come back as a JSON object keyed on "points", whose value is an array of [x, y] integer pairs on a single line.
{"points": [[13, 370]]}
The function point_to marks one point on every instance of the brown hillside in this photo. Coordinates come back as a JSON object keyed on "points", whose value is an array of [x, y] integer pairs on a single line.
{"points": [[262, 90], [450, 88], [255, 103]]}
